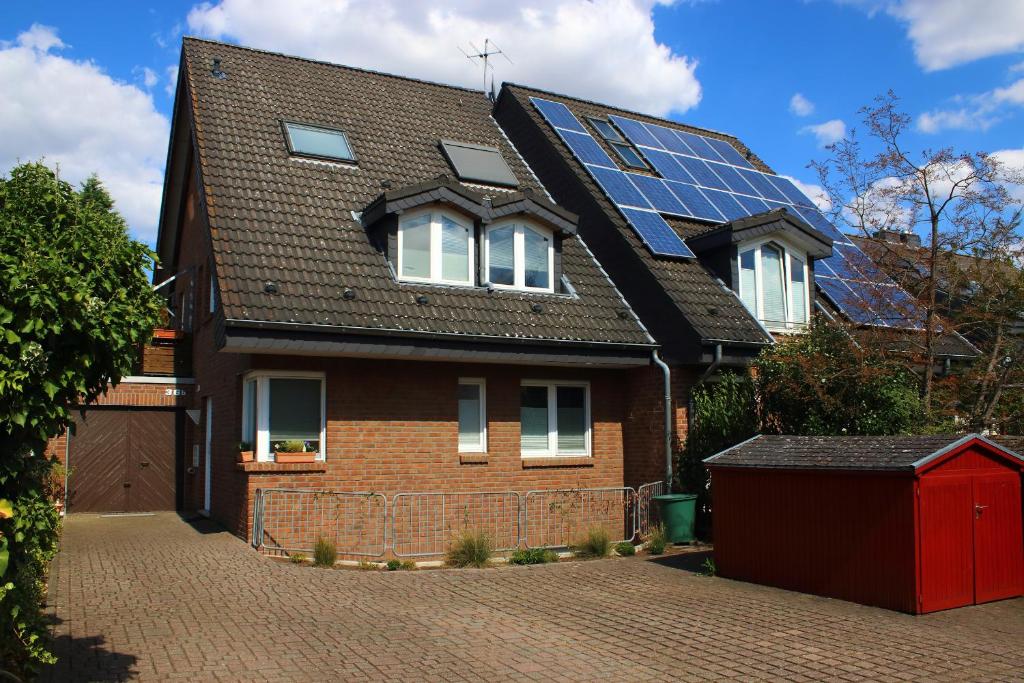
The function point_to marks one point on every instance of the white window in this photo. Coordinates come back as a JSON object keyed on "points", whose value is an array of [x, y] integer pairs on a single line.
{"points": [[280, 406], [554, 418], [773, 285], [435, 246], [472, 416], [520, 256]]}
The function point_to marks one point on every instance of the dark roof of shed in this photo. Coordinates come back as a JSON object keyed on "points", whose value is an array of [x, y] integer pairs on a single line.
{"points": [[713, 311], [896, 453], [292, 221]]}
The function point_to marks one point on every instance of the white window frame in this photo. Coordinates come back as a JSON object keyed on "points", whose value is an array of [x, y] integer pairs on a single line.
{"points": [[552, 449], [481, 385], [788, 252], [262, 377], [519, 255], [436, 252]]}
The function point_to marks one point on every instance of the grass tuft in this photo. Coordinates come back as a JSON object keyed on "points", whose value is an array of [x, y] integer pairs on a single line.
{"points": [[625, 549], [533, 556], [324, 553], [656, 540], [471, 549], [596, 543]]}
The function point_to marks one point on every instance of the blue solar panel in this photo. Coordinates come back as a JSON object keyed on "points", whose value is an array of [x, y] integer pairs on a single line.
{"points": [[702, 173], [666, 165], [822, 224], [793, 195], [659, 196], [733, 179], [700, 146], [729, 153], [762, 185], [753, 205], [862, 263], [847, 301], [586, 148], [668, 139], [839, 267], [696, 203], [636, 132], [558, 115], [617, 186], [726, 203], [656, 233]]}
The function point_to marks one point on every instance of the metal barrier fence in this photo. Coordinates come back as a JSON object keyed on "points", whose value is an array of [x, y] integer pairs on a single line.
{"points": [[291, 520], [647, 516], [424, 524], [558, 518]]}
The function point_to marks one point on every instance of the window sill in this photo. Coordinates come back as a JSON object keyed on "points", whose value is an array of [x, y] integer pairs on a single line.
{"points": [[287, 467], [472, 458], [530, 462]]}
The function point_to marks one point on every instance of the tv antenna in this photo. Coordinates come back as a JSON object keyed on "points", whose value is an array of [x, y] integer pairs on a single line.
{"points": [[490, 50]]}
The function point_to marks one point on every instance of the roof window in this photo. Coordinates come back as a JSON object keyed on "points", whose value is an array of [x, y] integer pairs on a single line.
{"points": [[630, 157], [318, 142], [476, 163]]}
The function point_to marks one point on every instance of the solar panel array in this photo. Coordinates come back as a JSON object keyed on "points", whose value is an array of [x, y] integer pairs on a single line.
{"points": [[709, 180]]}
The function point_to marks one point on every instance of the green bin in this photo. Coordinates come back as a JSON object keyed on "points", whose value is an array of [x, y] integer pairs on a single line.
{"points": [[678, 511]]}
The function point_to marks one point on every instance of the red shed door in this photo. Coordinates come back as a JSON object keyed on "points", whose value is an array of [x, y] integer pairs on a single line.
{"points": [[947, 543], [998, 549]]}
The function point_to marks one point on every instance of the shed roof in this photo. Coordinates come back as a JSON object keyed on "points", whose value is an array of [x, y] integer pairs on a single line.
{"points": [[893, 453]]}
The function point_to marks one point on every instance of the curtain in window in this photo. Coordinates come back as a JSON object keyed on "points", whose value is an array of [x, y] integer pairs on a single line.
{"points": [[470, 428], [454, 250], [798, 289], [249, 403], [572, 419], [416, 247], [536, 247], [748, 281], [773, 280], [533, 418], [501, 255], [295, 410]]}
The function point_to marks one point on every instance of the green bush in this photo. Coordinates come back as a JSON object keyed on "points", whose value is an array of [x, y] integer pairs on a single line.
{"points": [[596, 543], [656, 540], [625, 549], [407, 565], [708, 568], [297, 558], [471, 549], [533, 556], [394, 565], [324, 553]]}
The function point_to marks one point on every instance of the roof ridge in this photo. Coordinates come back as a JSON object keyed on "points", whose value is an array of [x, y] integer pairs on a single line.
{"points": [[324, 62]]}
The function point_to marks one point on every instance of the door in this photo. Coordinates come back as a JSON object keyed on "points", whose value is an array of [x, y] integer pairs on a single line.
{"points": [[947, 543], [998, 546], [151, 461]]}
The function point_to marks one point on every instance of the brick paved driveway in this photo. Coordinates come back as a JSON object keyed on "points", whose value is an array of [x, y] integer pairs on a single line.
{"points": [[154, 598]]}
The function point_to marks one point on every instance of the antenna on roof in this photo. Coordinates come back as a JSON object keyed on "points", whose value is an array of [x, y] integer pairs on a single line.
{"points": [[484, 57]]}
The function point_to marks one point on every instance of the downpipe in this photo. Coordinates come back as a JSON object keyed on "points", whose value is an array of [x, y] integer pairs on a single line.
{"points": [[666, 373]]}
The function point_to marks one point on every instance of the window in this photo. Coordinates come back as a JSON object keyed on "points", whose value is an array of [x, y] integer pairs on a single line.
{"points": [[213, 292], [317, 142], [606, 130], [773, 285], [435, 246], [283, 406], [472, 416], [554, 418], [520, 256], [476, 163], [629, 156]]}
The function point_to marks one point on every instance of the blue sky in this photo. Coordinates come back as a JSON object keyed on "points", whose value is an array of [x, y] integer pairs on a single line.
{"points": [[88, 85]]}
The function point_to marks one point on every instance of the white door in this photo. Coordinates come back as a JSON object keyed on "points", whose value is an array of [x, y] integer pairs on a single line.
{"points": [[209, 455]]}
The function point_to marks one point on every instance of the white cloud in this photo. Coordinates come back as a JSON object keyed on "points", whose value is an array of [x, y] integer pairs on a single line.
{"points": [[603, 50], [816, 193], [946, 33], [147, 75], [974, 112], [827, 133], [800, 105], [172, 80], [75, 116], [1013, 161]]}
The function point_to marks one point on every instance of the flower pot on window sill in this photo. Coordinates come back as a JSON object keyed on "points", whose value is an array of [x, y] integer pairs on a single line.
{"points": [[245, 456], [282, 457]]}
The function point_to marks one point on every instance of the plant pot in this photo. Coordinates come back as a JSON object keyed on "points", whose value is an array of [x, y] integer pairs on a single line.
{"points": [[678, 511], [282, 458], [245, 456]]}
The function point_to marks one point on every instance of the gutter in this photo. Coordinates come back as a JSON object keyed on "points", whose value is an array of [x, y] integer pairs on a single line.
{"points": [[666, 373]]}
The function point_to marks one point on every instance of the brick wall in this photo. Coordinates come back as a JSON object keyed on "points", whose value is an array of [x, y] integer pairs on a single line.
{"points": [[644, 429]]}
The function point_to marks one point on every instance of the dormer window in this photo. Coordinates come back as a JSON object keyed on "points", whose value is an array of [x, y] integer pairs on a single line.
{"points": [[435, 246], [519, 255], [773, 285], [317, 142]]}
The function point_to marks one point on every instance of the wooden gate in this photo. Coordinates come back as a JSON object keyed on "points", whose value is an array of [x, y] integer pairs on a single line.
{"points": [[124, 461]]}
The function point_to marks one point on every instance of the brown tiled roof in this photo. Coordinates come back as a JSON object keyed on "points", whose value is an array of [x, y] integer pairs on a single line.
{"points": [[711, 309], [291, 221], [834, 452]]}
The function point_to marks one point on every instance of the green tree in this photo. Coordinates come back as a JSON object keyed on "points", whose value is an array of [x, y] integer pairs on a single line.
{"points": [[76, 305], [824, 383]]}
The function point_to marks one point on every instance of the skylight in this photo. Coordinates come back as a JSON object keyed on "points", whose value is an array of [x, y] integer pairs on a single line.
{"points": [[475, 163], [317, 142]]}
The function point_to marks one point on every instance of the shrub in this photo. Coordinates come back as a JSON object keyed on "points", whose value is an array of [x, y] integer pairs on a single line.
{"points": [[708, 568], [366, 565], [626, 548], [290, 446], [297, 558], [408, 564], [394, 565], [533, 556], [324, 553], [471, 549], [597, 543], [656, 540]]}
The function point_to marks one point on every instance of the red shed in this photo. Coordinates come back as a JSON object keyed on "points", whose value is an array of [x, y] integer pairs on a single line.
{"points": [[911, 523]]}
